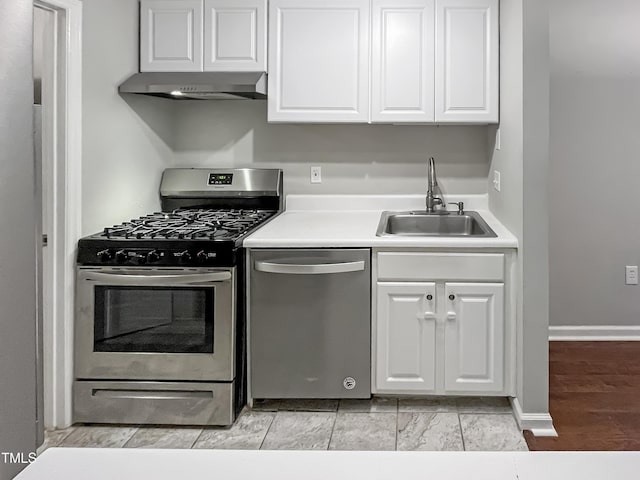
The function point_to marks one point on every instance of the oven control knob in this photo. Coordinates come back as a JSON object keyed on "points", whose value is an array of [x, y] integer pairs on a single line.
{"points": [[153, 256], [121, 256], [202, 256], [105, 255], [185, 256]]}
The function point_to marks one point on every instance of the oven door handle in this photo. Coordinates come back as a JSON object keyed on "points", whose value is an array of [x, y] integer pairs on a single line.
{"points": [[157, 280], [309, 269]]}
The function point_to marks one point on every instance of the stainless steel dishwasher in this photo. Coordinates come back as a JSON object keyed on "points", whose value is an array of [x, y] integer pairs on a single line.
{"points": [[310, 323]]}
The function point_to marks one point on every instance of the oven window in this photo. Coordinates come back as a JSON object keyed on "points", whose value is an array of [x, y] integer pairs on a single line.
{"points": [[153, 319]]}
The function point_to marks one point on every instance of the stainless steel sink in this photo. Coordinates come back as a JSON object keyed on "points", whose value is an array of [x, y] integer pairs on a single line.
{"points": [[419, 223]]}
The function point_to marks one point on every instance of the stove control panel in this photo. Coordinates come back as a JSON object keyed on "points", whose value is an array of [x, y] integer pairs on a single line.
{"points": [[152, 256], [220, 178], [137, 256]]}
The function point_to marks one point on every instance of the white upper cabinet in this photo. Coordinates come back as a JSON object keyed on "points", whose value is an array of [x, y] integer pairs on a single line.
{"points": [[431, 61], [467, 63], [235, 35], [203, 35], [318, 61], [339, 61], [402, 69], [171, 35]]}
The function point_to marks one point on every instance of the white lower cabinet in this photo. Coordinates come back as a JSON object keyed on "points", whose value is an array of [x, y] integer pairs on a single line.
{"points": [[406, 336], [441, 337], [474, 337]]}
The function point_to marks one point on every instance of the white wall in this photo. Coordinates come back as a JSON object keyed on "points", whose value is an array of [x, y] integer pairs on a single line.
{"points": [[124, 141], [595, 169]]}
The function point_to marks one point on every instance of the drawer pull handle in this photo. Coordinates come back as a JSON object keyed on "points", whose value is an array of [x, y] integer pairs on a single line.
{"points": [[452, 297], [429, 297], [151, 394]]}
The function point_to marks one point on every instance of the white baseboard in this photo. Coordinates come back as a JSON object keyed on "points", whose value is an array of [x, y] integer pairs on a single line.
{"points": [[594, 333], [540, 424]]}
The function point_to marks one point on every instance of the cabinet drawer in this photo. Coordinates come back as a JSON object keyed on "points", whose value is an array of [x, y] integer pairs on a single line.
{"points": [[420, 266]]}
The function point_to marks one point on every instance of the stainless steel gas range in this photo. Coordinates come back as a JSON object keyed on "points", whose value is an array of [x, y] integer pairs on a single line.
{"points": [[160, 319]]}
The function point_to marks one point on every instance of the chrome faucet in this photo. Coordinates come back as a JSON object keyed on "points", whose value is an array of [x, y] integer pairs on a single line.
{"points": [[432, 184]]}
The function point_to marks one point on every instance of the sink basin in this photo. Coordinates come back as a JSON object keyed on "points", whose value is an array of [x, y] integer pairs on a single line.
{"points": [[419, 223]]}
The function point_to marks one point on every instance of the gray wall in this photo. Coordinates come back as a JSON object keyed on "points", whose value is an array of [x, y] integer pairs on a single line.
{"points": [[535, 214], [128, 141], [17, 255], [522, 161], [595, 172], [354, 158]]}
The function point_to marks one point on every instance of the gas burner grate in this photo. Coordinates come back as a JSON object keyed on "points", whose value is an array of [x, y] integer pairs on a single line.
{"points": [[191, 224]]}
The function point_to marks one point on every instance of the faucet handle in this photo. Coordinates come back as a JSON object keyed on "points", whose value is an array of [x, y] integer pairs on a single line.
{"points": [[460, 206]]}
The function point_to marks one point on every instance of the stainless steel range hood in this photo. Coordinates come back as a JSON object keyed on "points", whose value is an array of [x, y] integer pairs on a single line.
{"points": [[198, 85]]}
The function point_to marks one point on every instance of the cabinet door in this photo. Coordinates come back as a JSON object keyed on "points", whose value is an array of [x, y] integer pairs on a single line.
{"points": [[406, 337], [318, 61], [467, 61], [171, 35], [474, 337], [235, 35], [402, 67]]}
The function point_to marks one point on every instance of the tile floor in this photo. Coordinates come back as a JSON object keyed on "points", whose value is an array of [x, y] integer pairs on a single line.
{"points": [[435, 423]]}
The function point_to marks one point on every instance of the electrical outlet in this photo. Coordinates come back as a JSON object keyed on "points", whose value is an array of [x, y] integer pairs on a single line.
{"points": [[496, 180], [498, 139], [631, 274], [316, 174]]}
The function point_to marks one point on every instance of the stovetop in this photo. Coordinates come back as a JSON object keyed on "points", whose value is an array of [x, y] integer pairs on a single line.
{"points": [[183, 237], [190, 224]]}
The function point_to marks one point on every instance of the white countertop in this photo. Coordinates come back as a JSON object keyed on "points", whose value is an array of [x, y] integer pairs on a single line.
{"points": [[136, 464], [352, 220]]}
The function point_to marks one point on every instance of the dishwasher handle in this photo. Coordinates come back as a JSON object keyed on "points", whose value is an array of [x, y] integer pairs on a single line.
{"points": [[309, 269]]}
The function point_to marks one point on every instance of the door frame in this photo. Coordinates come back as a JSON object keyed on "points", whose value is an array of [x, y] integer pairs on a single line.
{"points": [[65, 216]]}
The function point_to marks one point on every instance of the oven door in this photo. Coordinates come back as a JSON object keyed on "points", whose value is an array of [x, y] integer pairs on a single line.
{"points": [[155, 324]]}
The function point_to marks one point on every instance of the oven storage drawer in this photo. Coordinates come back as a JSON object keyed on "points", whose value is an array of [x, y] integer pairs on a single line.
{"points": [[175, 403]]}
